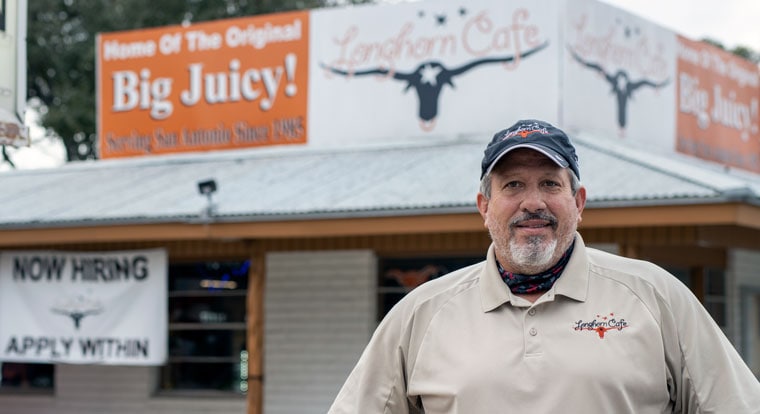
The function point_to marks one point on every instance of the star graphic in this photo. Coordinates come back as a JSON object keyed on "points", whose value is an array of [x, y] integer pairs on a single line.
{"points": [[429, 74]]}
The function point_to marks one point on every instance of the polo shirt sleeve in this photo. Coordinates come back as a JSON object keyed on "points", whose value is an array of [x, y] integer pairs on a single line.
{"points": [[378, 382], [706, 374]]}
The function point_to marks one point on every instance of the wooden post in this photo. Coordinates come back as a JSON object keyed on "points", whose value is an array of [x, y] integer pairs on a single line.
{"points": [[630, 251], [255, 333], [698, 282]]}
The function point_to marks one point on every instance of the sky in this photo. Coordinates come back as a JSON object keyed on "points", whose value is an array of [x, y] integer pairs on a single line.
{"points": [[731, 22]]}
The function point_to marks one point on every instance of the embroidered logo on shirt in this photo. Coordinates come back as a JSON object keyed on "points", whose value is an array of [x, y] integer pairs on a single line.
{"points": [[601, 324]]}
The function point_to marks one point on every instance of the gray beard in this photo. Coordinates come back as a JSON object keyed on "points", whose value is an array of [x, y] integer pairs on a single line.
{"points": [[532, 257]]}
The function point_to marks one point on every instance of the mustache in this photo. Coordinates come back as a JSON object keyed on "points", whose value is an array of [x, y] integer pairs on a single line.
{"points": [[550, 218]]}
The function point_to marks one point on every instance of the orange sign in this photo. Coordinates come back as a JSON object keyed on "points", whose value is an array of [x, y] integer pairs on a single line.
{"points": [[717, 106], [219, 85]]}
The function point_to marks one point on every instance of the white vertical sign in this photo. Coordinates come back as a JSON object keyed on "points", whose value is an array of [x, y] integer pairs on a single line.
{"points": [[13, 72], [84, 308]]}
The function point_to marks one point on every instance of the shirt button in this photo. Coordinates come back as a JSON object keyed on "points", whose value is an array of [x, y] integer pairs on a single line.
{"points": [[532, 311], [533, 332]]}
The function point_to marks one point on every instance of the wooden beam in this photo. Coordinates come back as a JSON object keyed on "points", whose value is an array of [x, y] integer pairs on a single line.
{"points": [[246, 230], [697, 274], [748, 216], [352, 226], [255, 332], [730, 214], [630, 250], [674, 215]]}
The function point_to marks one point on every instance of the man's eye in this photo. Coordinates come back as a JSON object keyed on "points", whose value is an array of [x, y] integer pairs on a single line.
{"points": [[512, 184], [551, 184]]}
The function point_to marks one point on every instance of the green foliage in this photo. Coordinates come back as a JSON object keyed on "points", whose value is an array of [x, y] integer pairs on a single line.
{"points": [[741, 51], [61, 50], [746, 53]]}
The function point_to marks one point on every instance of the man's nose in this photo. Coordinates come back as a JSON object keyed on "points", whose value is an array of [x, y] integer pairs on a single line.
{"points": [[533, 201]]}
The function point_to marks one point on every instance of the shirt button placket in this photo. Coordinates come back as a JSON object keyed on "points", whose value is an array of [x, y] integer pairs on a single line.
{"points": [[532, 341]]}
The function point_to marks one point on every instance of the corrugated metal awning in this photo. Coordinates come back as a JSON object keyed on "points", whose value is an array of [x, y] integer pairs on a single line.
{"points": [[303, 183]]}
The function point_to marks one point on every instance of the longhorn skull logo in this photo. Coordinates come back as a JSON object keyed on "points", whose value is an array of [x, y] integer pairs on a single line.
{"points": [[621, 85], [77, 308], [429, 78]]}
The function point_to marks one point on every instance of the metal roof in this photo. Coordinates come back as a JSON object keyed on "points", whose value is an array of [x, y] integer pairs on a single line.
{"points": [[301, 183]]}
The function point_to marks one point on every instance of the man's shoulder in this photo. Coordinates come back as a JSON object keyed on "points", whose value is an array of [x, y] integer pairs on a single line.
{"points": [[612, 261], [438, 291], [634, 273]]}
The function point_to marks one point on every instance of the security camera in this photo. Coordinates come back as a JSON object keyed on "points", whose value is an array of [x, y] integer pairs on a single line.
{"points": [[207, 187]]}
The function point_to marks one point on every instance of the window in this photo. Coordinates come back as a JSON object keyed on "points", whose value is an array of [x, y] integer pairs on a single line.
{"points": [[399, 276], [24, 377], [207, 329], [715, 295]]}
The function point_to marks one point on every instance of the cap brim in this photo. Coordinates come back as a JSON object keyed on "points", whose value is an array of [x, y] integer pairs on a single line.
{"points": [[548, 152]]}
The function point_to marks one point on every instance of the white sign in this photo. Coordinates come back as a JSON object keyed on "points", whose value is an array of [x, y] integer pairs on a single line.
{"points": [[84, 308], [430, 69], [619, 76], [13, 72]]}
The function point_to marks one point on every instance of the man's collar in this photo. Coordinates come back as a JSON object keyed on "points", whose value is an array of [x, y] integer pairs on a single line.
{"points": [[574, 280], [493, 291], [573, 283]]}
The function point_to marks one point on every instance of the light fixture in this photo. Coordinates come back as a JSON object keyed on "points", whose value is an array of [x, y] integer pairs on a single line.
{"points": [[207, 188]]}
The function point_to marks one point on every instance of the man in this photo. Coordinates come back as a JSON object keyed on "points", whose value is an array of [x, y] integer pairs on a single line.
{"points": [[545, 324]]}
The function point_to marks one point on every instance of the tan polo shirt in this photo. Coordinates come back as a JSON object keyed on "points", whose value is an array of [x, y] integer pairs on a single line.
{"points": [[613, 335]]}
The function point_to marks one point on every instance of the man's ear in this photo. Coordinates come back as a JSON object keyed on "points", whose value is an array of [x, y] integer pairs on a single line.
{"points": [[482, 205], [580, 201]]}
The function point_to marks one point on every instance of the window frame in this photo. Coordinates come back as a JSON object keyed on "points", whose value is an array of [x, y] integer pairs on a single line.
{"points": [[167, 380]]}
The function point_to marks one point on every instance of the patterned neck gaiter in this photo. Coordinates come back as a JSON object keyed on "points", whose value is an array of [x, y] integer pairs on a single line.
{"points": [[535, 283]]}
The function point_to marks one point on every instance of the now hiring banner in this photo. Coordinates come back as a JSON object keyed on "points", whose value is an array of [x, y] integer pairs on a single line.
{"points": [[84, 308]]}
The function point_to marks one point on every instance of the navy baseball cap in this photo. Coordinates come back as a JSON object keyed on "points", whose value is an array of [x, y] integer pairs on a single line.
{"points": [[534, 134]]}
